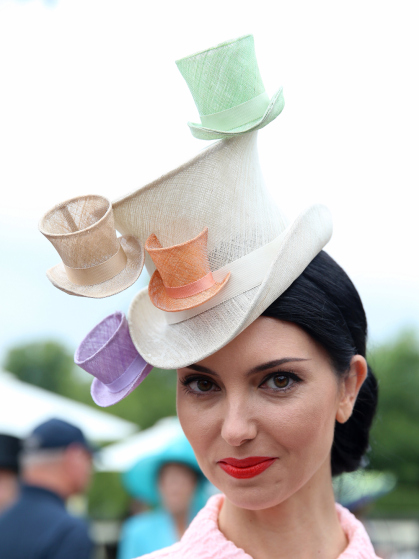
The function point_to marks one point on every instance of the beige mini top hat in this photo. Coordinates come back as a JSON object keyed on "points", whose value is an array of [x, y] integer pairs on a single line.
{"points": [[228, 91], [95, 263]]}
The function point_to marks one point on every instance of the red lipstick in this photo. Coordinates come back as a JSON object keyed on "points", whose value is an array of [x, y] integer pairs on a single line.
{"points": [[246, 468]]}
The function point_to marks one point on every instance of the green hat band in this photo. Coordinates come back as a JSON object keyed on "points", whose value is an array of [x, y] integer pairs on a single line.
{"points": [[237, 116]]}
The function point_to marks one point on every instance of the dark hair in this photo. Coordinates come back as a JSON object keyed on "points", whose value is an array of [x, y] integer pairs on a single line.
{"points": [[324, 302]]}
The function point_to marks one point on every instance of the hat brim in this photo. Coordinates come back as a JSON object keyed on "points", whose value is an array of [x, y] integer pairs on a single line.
{"points": [[103, 397], [172, 346], [123, 280], [161, 299], [274, 108]]}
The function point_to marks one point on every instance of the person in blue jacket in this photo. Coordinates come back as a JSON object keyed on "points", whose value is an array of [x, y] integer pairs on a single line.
{"points": [[171, 481], [56, 462]]}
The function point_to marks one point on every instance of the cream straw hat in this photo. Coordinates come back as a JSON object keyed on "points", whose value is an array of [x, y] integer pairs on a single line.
{"points": [[228, 90], [248, 236], [94, 262]]}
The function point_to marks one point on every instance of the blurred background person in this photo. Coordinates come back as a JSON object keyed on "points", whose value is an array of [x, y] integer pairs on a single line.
{"points": [[9, 470], [171, 481], [56, 463]]}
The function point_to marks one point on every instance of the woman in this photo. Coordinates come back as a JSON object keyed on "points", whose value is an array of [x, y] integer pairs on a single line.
{"points": [[266, 332], [272, 416], [170, 481]]}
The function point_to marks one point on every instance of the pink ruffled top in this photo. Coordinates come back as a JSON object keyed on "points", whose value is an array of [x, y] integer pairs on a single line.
{"points": [[203, 538]]}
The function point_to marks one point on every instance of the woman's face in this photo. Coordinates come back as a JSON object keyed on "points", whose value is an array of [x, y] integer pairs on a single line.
{"points": [[177, 485], [270, 396]]}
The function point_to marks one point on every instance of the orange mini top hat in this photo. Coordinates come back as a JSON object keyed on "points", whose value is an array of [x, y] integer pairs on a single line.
{"points": [[183, 278], [95, 263]]}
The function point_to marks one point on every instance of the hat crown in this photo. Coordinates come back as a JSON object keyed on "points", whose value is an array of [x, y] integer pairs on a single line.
{"points": [[82, 231], [222, 189], [53, 434], [181, 264], [224, 76]]}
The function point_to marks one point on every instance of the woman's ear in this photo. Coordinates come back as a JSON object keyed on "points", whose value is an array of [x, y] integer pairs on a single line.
{"points": [[351, 385]]}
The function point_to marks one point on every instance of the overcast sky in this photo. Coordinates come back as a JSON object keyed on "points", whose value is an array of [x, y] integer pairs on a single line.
{"points": [[92, 102]]}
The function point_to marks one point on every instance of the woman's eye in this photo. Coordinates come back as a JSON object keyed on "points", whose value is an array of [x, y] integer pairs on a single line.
{"points": [[199, 386], [203, 385], [279, 382]]}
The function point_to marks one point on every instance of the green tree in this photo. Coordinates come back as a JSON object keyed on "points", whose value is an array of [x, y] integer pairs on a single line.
{"points": [[47, 364], [395, 434]]}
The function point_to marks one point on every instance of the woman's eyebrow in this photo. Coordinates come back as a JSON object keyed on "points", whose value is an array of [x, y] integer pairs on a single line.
{"points": [[201, 369], [258, 369], [275, 363]]}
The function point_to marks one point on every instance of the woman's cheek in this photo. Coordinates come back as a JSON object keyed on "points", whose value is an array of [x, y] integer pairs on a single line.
{"points": [[303, 425], [196, 421]]}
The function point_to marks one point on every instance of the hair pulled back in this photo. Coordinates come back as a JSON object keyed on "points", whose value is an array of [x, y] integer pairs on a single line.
{"points": [[324, 302]]}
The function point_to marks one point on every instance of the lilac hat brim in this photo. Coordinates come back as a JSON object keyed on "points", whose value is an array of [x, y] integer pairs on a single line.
{"points": [[104, 397]]}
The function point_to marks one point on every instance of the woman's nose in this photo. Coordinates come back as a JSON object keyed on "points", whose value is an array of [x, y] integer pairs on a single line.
{"points": [[238, 425]]}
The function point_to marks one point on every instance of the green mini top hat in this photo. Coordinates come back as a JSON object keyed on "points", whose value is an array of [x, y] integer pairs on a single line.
{"points": [[228, 91]]}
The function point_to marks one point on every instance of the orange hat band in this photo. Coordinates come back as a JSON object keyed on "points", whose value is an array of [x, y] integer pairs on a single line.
{"points": [[190, 289]]}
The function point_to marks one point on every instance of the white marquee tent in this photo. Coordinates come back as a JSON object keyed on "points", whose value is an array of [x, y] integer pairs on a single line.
{"points": [[118, 457], [23, 406]]}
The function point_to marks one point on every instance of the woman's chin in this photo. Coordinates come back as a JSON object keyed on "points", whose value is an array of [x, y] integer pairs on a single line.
{"points": [[253, 501], [254, 498]]}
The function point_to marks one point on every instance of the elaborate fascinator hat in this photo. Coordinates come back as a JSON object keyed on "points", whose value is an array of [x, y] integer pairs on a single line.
{"points": [[221, 189], [108, 354], [228, 90], [95, 263], [219, 250]]}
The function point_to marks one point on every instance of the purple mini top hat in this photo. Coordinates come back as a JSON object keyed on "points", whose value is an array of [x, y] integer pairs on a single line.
{"points": [[108, 354]]}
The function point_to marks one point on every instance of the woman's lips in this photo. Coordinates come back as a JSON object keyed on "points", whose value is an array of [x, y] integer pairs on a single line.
{"points": [[246, 468]]}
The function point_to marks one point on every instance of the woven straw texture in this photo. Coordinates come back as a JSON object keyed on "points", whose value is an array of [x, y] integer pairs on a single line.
{"points": [[178, 266], [204, 539], [106, 353], [69, 225], [224, 77], [222, 189], [82, 230]]}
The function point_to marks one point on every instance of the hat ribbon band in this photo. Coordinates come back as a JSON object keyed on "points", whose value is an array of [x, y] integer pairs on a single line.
{"points": [[246, 272], [238, 115], [192, 288], [99, 273], [250, 270], [138, 368]]}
